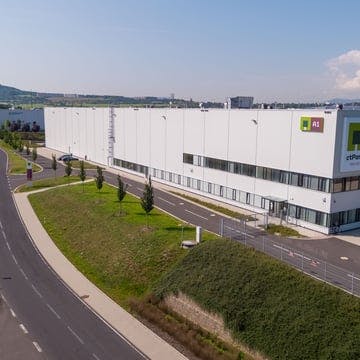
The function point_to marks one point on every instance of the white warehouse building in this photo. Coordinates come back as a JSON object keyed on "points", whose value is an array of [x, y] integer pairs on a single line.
{"points": [[301, 165]]}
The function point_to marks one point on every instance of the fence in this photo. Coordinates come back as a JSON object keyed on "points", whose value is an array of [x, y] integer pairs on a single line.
{"points": [[320, 269]]}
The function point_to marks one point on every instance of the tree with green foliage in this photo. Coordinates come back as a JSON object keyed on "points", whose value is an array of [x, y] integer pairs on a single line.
{"points": [[54, 164], [16, 141], [34, 153], [68, 168], [99, 179], [21, 146], [147, 200], [27, 149], [121, 191], [82, 173]]}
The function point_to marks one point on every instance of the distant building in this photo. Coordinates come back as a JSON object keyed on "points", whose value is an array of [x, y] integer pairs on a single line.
{"points": [[24, 116], [241, 102]]}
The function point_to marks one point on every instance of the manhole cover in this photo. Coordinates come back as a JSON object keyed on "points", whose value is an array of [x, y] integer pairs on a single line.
{"points": [[345, 258]]}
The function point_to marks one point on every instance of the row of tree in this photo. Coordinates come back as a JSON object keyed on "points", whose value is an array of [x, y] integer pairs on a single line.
{"points": [[20, 126], [147, 200]]}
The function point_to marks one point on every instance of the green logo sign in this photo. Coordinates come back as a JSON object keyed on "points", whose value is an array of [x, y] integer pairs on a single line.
{"points": [[312, 124], [353, 137]]}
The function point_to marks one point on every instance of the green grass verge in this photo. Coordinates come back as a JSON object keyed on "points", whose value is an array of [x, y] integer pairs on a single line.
{"points": [[282, 230], [217, 208], [17, 164], [266, 304], [76, 165], [118, 253], [48, 183]]}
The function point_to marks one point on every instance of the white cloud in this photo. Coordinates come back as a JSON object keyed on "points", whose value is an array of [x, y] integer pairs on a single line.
{"points": [[346, 70]]}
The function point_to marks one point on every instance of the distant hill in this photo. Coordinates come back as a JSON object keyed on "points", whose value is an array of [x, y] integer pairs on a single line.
{"points": [[8, 93], [16, 97], [343, 101]]}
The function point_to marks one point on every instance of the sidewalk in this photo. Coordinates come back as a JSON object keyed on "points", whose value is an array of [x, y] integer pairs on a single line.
{"points": [[133, 330]]}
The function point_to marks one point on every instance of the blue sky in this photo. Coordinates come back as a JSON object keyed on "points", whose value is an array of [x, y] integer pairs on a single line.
{"points": [[202, 49]]}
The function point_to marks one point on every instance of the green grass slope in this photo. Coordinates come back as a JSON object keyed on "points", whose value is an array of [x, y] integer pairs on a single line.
{"points": [[268, 306], [116, 251]]}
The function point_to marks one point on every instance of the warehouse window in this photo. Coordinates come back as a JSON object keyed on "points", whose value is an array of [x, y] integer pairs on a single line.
{"points": [[188, 158]]}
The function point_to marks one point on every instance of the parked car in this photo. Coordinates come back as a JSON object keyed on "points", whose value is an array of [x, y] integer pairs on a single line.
{"points": [[69, 158], [63, 156]]}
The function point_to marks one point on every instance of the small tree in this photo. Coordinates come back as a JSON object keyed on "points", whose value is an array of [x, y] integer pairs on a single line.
{"points": [[21, 147], [147, 200], [54, 164], [121, 191], [68, 170], [82, 173], [34, 154], [27, 148], [99, 179]]}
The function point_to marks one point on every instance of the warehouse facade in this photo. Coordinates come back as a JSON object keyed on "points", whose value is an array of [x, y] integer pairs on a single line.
{"points": [[300, 165]]}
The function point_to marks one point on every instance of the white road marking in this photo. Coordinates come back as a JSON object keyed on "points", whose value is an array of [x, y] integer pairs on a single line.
{"points": [[76, 335], [354, 277], [3, 233], [53, 311], [8, 246], [12, 313], [14, 258], [129, 185], [140, 189], [181, 203], [95, 356], [167, 201], [202, 217], [212, 214], [1, 225], [3, 297], [37, 346], [36, 290], [240, 232], [23, 272], [23, 328]]}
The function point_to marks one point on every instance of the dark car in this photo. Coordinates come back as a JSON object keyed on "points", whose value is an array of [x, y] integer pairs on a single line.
{"points": [[66, 158], [63, 156]]}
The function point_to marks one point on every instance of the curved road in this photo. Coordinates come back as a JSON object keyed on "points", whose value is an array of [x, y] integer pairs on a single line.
{"points": [[58, 323]]}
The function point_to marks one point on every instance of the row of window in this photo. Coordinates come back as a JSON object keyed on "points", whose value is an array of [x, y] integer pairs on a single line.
{"points": [[281, 176], [294, 211]]}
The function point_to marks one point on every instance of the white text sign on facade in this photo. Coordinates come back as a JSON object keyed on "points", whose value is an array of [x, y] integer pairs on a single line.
{"points": [[350, 152]]}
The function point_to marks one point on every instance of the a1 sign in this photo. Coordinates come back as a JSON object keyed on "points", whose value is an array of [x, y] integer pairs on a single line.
{"points": [[312, 124]]}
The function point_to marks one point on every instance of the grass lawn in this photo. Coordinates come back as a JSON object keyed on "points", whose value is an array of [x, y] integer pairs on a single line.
{"points": [[17, 164], [117, 252], [47, 183], [282, 230], [268, 305], [217, 208], [76, 165]]}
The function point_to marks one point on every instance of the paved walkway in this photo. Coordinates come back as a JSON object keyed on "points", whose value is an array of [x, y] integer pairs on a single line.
{"points": [[134, 331]]}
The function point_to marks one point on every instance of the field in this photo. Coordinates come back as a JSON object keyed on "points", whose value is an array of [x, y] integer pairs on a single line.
{"points": [[48, 183], [113, 248]]}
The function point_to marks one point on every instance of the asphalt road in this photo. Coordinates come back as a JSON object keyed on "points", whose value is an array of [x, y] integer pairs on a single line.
{"points": [[76, 333], [15, 343], [61, 326]]}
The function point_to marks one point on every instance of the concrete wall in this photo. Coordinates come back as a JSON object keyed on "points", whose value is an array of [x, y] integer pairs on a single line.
{"points": [[80, 131]]}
